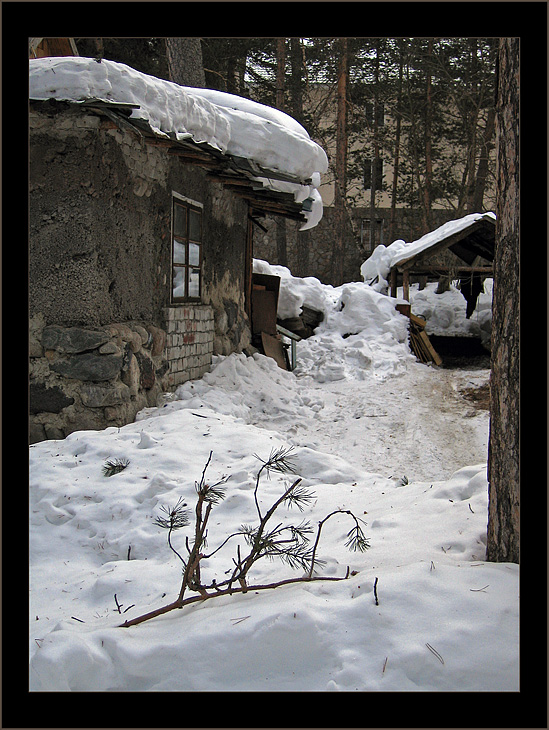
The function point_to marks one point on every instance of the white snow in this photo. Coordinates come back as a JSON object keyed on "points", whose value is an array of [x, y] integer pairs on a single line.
{"points": [[390, 439], [236, 126]]}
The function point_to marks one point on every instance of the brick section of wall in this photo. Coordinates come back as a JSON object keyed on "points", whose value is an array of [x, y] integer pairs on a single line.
{"points": [[190, 341]]}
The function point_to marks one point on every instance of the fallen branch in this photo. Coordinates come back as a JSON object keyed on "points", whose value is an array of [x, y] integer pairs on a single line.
{"points": [[227, 592], [288, 542]]}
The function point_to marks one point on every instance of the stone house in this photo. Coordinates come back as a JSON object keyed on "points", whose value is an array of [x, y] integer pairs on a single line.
{"points": [[140, 259]]}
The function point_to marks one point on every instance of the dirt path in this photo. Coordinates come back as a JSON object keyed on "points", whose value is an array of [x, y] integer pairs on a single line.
{"points": [[417, 425]]}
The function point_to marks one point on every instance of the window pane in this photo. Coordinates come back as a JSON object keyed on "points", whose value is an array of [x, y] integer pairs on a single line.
{"points": [[194, 283], [178, 289], [194, 254], [195, 220], [179, 252], [180, 220]]}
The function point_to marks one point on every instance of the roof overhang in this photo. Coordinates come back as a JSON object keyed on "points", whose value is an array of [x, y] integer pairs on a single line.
{"points": [[237, 174]]}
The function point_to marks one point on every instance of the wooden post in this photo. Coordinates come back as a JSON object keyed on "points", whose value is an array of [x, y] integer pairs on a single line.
{"points": [[394, 282], [248, 267], [406, 285]]}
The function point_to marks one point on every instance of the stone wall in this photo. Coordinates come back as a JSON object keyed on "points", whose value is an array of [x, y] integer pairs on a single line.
{"points": [[105, 340], [90, 378]]}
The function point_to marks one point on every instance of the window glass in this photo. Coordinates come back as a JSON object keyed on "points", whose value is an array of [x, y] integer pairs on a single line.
{"points": [[195, 219], [194, 254], [194, 283], [178, 289], [180, 220], [179, 252]]}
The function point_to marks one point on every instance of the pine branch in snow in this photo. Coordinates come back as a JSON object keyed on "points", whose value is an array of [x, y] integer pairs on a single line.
{"points": [[290, 543]]}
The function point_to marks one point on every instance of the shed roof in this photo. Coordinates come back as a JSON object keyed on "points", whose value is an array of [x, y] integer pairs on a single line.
{"points": [[467, 238]]}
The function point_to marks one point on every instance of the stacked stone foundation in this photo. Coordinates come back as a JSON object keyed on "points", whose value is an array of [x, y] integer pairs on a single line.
{"points": [[85, 378]]}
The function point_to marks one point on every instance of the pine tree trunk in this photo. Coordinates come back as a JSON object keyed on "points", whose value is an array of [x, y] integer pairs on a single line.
{"points": [[185, 61], [338, 249], [482, 169], [396, 159], [281, 238], [373, 172], [428, 145], [503, 458]]}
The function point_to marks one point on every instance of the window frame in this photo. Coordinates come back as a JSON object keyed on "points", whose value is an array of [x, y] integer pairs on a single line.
{"points": [[190, 206]]}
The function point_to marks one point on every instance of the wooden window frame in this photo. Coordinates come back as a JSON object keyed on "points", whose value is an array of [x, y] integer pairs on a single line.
{"points": [[185, 240]]}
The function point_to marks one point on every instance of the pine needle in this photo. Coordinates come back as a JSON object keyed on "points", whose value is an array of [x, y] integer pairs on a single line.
{"points": [[114, 466]]}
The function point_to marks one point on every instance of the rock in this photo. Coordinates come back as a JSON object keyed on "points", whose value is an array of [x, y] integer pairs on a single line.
{"points": [[142, 332], [109, 348], [72, 339], [130, 373], [99, 396], [89, 366], [147, 378], [158, 341], [48, 400]]}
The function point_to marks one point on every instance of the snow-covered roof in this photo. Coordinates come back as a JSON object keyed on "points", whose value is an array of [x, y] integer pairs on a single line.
{"points": [[451, 234], [280, 153], [405, 251]]}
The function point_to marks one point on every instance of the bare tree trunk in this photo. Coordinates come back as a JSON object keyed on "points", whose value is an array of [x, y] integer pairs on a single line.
{"points": [[503, 459], [373, 170], [185, 61], [338, 249], [428, 144], [396, 159]]}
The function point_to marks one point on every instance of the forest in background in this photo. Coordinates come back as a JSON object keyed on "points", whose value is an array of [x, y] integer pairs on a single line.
{"points": [[421, 108]]}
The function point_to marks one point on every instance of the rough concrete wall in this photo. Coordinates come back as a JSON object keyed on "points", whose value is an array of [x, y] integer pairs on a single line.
{"points": [[100, 257]]}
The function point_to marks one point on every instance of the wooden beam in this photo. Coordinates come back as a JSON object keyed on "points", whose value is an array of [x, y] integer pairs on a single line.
{"points": [[406, 285]]}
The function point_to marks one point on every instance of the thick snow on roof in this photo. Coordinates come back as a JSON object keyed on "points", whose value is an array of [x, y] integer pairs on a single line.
{"points": [[236, 126], [384, 258]]}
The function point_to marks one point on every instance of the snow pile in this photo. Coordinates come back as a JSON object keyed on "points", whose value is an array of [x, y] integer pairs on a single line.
{"points": [[377, 267], [362, 335], [237, 127], [446, 313], [252, 389], [446, 620]]}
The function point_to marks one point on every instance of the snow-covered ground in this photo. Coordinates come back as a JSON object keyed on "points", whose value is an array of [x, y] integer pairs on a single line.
{"points": [[373, 431]]}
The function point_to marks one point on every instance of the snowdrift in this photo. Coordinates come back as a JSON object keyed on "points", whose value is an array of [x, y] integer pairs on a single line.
{"points": [[445, 620]]}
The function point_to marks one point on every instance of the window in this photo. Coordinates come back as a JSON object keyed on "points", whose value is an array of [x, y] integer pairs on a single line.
{"points": [[370, 108], [377, 169], [366, 241], [187, 250]]}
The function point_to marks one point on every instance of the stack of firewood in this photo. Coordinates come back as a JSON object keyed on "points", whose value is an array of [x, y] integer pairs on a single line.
{"points": [[419, 342]]}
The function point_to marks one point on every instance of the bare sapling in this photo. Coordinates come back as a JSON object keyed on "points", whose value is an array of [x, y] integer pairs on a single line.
{"points": [[268, 538]]}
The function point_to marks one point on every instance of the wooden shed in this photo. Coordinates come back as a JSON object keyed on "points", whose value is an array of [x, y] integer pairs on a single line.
{"points": [[470, 242]]}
